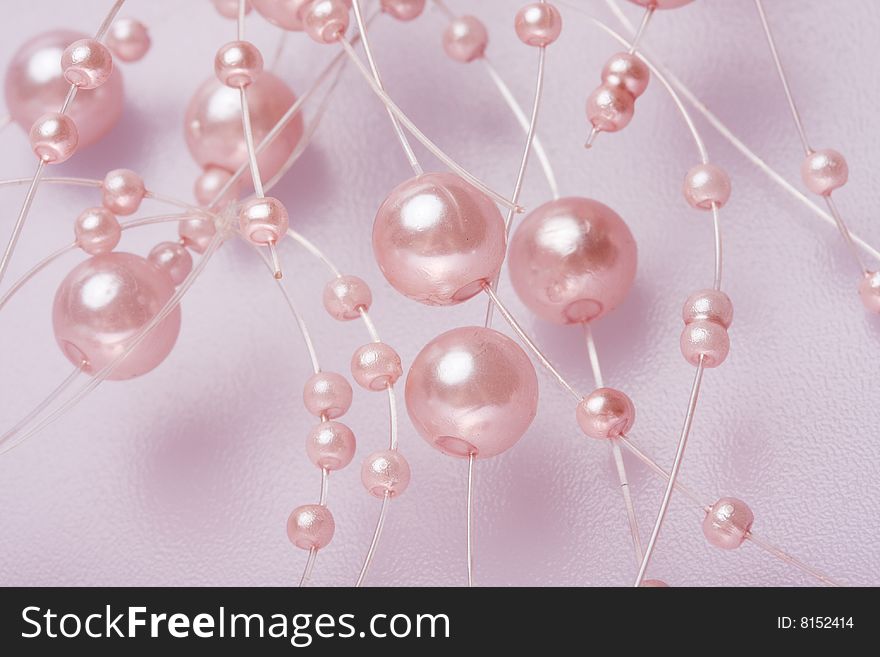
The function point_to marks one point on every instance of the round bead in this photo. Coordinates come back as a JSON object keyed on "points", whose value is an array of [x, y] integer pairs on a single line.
{"points": [[173, 259], [662, 4], [710, 305], [538, 24], [128, 39], [824, 171], [209, 184], [728, 523], [610, 109], [283, 13], [628, 72], [385, 472], [869, 291], [97, 231], [311, 526], [54, 137], [705, 185], [331, 445], [238, 64], [376, 366], [87, 63], [438, 240], [327, 395], [345, 296], [263, 220], [122, 191], [654, 584], [326, 20], [572, 260], [103, 303], [403, 10], [229, 8], [472, 390], [196, 232], [465, 39], [606, 413], [706, 339]]}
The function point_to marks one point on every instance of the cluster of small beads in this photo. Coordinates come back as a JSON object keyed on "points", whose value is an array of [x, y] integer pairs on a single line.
{"points": [[611, 105], [707, 315]]}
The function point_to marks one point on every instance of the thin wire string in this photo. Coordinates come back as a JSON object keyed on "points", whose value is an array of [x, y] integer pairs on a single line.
{"points": [[469, 514]]}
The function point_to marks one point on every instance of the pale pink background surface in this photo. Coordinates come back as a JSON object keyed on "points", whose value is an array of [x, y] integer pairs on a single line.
{"points": [[186, 476]]}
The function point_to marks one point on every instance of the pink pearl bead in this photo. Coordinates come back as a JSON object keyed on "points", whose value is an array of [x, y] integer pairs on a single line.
{"points": [[610, 108], [403, 10], [283, 13], [173, 259], [376, 366], [728, 523], [122, 191], [97, 231], [327, 395], [706, 339], [209, 184], [229, 8], [54, 137], [869, 291], [627, 72], [345, 296], [572, 260], [326, 20], [311, 526], [385, 472], [662, 4], [705, 185], [213, 126], [238, 64], [35, 85], [465, 39], [128, 39], [263, 220], [103, 303], [196, 233], [711, 305], [438, 240], [538, 24], [472, 390], [824, 171], [331, 445], [654, 584], [606, 413], [87, 63]]}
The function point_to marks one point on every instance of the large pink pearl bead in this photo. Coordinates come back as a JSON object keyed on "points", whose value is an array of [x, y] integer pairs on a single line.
{"points": [[86, 63], [403, 10], [326, 20], [196, 232], [327, 395], [97, 231], [628, 72], [572, 260], [606, 413], [538, 24], [214, 132], [706, 185], [238, 64], [35, 85], [824, 171], [438, 240], [465, 39], [610, 108], [346, 296], [283, 13], [331, 445], [472, 390], [311, 526], [707, 340], [662, 4], [122, 191], [869, 291], [376, 366], [385, 473], [709, 304], [128, 39], [173, 259], [54, 137], [103, 303], [728, 523]]}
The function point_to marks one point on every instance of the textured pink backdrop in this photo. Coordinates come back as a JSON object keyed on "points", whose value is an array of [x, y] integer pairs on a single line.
{"points": [[186, 476]]}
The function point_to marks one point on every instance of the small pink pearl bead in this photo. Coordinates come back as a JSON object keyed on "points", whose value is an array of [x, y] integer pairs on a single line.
{"points": [[610, 108], [728, 522], [376, 366], [465, 39], [706, 339], [122, 191], [283, 13], [662, 4], [403, 10], [173, 259], [824, 171], [606, 413], [538, 24], [196, 233], [628, 72], [210, 182], [331, 445], [711, 305], [128, 39], [229, 8], [311, 526], [654, 584], [87, 63], [327, 395], [345, 296], [263, 220], [385, 472], [54, 137], [238, 64], [97, 231], [326, 20], [706, 184], [869, 291]]}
